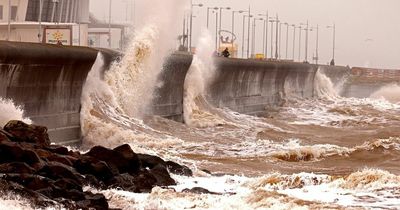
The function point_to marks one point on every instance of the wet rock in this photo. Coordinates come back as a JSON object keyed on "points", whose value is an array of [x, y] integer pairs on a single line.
{"points": [[58, 150], [145, 181], [11, 152], [162, 176], [30, 181], [199, 190], [57, 171], [121, 160], [133, 159], [150, 161], [89, 165], [16, 167], [175, 168], [23, 132], [93, 201]]}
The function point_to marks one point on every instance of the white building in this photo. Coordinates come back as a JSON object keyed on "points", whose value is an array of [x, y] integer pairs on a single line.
{"points": [[57, 21]]}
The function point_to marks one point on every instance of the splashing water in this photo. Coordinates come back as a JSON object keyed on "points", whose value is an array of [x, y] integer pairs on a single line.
{"points": [[390, 93], [9, 111], [324, 87]]}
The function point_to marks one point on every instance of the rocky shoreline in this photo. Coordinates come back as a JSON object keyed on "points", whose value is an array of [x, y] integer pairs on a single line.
{"points": [[50, 175]]}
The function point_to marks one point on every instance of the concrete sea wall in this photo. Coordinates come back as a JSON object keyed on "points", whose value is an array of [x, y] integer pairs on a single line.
{"points": [[47, 81]]}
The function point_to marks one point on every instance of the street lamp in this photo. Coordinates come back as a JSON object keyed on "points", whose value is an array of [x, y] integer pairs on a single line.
{"points": [[191, 22], [316, 45], [294, 38], [254, 35], [299, 42], [220, 21], [265, 37], [233, 22], [248, 34], [9, 21], [287, 38], [306, 29], [109, 24], [334, 40], [208, 13], [272, 21], [276, 34]]}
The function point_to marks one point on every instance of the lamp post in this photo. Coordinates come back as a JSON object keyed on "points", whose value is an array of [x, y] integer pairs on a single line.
{"points": [[272, 21], [294, 39], [316, 44], [233, 23], [9, 21], [276, 39], [265, 33], [287, 39], [109, 24], [254, 35], [191, 22], [216, 31], [334, 40], [306, 29], [208, 13], [248, 34], [299, 43], [244, 31], [220, 21]]}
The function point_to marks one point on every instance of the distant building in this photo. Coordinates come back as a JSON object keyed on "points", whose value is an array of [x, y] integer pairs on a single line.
{"points": [[99, 34], [61, 21]]}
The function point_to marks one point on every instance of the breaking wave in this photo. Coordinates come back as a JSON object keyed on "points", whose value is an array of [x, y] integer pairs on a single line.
{"points": [[9, 111]]}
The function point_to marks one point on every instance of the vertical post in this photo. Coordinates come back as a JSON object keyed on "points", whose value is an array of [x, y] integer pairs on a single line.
{"points": [[306, 55], [316, 49], [299, 44], [264, 39], [276, 39], [40, 21], [183, 31], [287, 39], [216, 32], [243, 34], [9, 21], [191, 25], [109, 23], [266, 35], [253, 38], [334, 40], [248, 33], [280, 40], [294, 40], [272, 38]]}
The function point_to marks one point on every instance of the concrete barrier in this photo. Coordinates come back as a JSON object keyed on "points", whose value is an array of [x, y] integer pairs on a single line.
{"points": [[250, 86], [47, 81]]}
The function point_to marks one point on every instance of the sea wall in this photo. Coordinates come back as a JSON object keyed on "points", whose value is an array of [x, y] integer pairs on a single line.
{"points": [[47, 81], [251, 86]]}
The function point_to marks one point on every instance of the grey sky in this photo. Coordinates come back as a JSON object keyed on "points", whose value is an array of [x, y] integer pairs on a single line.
{"points": [[368, 31]]}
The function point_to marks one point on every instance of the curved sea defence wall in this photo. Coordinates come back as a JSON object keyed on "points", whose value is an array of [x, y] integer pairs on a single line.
{"points": [[47, 81], [251, 86]]}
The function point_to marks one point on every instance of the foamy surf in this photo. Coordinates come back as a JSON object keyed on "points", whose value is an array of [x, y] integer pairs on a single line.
{"points": [[9, 111]]}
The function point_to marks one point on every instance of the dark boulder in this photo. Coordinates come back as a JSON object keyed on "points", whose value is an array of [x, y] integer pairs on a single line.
{"points": [[16, 167], [150, 161], [175, 168], [145, 181], [30, 181], [93, 201], [55, 171], [89, 165], [23, 132], [11, 152], [133, 159], [162, 176]]}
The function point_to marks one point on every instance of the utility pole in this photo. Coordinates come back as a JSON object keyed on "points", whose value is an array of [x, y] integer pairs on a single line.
{"points": [[9, 21], [109, 23], [248, 32], [40, 21], [299, 59], [276, 39]]}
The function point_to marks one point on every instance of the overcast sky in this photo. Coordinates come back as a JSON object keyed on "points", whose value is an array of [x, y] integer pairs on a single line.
{"points": [[367, 31]]}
